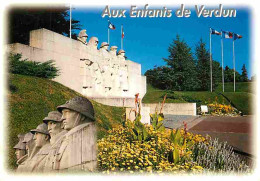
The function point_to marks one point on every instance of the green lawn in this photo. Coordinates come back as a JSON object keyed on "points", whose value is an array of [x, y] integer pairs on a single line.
{"points": [[240, 87], [242, 100], [30, 100]]}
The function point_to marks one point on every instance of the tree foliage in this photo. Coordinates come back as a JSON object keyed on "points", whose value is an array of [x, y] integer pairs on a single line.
{"points": [[185, 73], [22, 20], [32, 68], [182, 63], [244, 76]]}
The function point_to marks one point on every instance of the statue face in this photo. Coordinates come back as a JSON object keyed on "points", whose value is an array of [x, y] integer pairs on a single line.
{"points": [[54, 128], [69, 118], [105, 47], [40, 139], [19, 153]]}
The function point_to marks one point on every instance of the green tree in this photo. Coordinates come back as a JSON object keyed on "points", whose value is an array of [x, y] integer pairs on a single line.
{"points": [[228, 74], [244, 76], [183, 65], [203, 65], [22, 20]]}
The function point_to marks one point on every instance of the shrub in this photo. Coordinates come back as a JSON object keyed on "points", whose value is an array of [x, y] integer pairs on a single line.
{"points": [[32, 68], [126, 149], [218, 156]]}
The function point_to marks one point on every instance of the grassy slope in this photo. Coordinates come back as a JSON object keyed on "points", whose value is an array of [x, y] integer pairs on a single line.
{"points": [[240, 87], [35, 97], [242, 98], [154, 95]]}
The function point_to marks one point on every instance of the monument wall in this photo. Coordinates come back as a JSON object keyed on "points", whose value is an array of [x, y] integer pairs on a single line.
{"points": [[98, 74]]}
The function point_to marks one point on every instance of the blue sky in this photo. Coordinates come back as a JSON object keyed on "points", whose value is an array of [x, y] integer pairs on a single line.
{"points": [[147, 39]]}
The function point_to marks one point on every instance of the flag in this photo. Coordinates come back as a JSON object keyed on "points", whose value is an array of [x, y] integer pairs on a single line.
{"points": [[123, 34], [237, 36], [227, 34], [111, 26], [214, 32]]}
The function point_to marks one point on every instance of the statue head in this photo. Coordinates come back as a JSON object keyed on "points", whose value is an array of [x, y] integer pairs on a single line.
{"points": [[104, 45], [54, 123], [29, 142], [76, 111], [41, 135], [20, 150], [93, 42], [113, 49], [121, 53], [82, 36]]}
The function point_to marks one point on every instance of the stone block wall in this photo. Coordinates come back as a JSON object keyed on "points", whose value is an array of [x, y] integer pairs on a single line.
{"points": [[107, 77]]}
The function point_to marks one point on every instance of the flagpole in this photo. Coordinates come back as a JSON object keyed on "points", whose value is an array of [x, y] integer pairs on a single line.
{"points": [[210, 60], [108, 37], [234, 65], [121, 37], [70, 20], [222, 61]]}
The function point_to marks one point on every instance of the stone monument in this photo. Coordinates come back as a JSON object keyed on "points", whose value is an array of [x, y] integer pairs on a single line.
{"points": [[103, 75], [20, 150], [36, 162], [82, 36], [56, 131], [78, 151]]}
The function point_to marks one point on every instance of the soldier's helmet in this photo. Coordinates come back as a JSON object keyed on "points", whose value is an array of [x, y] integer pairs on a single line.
{"points": [[53, 116], [93, 41], [81, 105], [83, 33], [113, 48], [20, 145], [42, 128], [104, 44], [28, 137], [121, 51]]}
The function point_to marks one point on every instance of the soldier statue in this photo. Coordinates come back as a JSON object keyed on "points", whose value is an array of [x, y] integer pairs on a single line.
{"points": [[54, 122], [78, 148], [20, 150], [82, 36], [42, 146]]}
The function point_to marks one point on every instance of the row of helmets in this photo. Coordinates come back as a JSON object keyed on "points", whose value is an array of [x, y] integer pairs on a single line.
{"points": [[83, 36]]}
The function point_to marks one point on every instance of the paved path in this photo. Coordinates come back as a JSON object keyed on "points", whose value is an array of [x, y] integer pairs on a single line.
{"points": [[237, 131]]}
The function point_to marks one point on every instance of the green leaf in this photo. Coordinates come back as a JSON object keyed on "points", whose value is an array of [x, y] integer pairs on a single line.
{"points": [[176, 155]]}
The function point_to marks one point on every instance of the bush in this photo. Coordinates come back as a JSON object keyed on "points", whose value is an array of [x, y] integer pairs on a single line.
{"points": [[219, 157], [32, 68], [145, 148]]}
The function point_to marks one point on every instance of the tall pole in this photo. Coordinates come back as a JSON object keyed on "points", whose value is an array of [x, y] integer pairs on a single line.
{"points": [[222, 62], [121, 37], [70, 20], [234, 65], [108, 36], [210, 60]]}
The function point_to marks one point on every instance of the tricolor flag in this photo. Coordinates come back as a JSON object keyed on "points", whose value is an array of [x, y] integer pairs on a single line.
{"points": [[237, 36], [214, 32], [227, 34], [123, 34], [111, 26]]}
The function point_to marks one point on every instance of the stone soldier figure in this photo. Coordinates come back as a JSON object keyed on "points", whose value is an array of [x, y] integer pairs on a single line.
{"points": [[42, 142], [82, 36], [78, 148], [93, 42], [54, 122], [29, 146], [106, 68], [20, 150], [29, 143], [121, 54]]}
